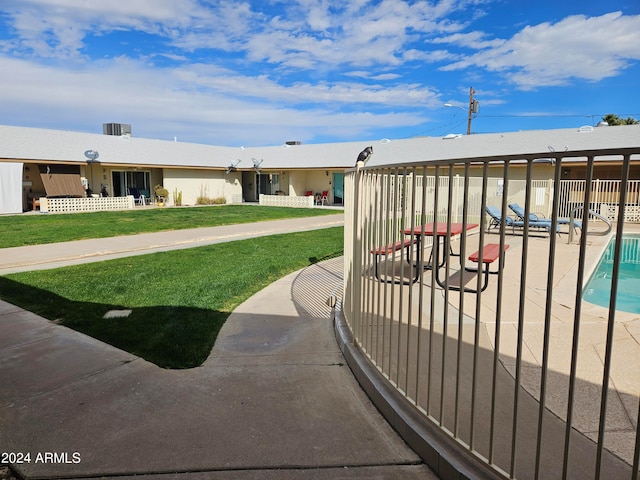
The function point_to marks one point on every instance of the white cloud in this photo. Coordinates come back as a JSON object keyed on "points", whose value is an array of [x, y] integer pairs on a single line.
{"points": [[372, 76], [386, 76], [433, 56], [198, 102], [590, 48], [279, 66], [57, 28], [337, 94], [305, 35]]}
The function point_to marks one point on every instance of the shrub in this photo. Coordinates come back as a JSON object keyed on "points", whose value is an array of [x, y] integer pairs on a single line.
{"points": [[160, 191], [204, 199], [177, 197]]}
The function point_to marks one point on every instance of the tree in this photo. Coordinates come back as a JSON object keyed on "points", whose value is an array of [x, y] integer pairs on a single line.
{"points": [[613, 120]]}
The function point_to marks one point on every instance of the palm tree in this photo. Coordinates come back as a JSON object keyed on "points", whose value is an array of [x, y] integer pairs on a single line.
{"points": [[613, 120]]}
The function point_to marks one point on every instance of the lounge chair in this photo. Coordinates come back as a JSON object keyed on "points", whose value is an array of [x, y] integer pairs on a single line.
{"points": [[534, 217], [496, 221], [496, 218], [519, 211]]}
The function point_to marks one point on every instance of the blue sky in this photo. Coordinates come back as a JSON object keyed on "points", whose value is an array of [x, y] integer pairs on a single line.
{"points": [[247, 73]]}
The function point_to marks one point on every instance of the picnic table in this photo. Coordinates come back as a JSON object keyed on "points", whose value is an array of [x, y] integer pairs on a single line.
{"points": [[444, 233]]}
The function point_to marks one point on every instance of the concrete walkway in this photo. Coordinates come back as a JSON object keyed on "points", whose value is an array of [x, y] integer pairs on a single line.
{"points": [[53, 255], [273, 400]]}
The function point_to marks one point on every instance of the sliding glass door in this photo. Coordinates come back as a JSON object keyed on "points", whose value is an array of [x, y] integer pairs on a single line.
{"points": [[123, 181]]}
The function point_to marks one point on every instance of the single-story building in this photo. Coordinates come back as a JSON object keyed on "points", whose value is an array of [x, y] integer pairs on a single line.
{"points": [[38, 163]]}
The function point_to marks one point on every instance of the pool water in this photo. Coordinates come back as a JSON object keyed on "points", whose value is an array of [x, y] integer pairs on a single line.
{"points": [[598, 289]]}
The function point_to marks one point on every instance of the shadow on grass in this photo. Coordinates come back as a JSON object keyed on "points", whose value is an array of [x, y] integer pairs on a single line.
{"points": [[314, 260], [169, 336]]}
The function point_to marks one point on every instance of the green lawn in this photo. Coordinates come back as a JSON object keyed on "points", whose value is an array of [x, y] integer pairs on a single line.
{"points": [[19, 230], [180, 299]]}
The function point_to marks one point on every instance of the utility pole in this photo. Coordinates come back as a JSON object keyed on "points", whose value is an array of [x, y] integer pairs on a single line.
{"points": [[473, 109]]}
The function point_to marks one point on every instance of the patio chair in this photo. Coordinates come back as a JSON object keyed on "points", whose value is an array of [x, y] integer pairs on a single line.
{"points": [[325, 197], [145, 197], [519, 211], [137, 196], [535, 217], [496, 220], [309, 193]]}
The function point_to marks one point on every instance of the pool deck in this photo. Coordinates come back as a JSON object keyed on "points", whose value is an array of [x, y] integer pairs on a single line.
{"points": [[622, 411], [429, 350], [624, 383]]}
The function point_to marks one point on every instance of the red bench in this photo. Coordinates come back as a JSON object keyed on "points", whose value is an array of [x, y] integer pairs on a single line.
{"points": [[393, 247], [490, 253], [389, 249]]}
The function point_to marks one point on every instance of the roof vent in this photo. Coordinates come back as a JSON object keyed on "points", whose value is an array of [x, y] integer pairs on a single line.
{"points": [[585, 129], [451, 135], [117, 129]]}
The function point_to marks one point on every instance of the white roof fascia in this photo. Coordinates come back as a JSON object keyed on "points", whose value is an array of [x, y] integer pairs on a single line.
{"points": [[65, 146], [42, 145], [531, 143]]}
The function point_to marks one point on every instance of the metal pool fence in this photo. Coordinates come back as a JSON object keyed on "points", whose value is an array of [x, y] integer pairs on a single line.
{"points": [[496, 383]]}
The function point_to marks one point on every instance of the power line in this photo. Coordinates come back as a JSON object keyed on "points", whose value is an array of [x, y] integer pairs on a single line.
{"points": [[550, 115], [448, 127]]}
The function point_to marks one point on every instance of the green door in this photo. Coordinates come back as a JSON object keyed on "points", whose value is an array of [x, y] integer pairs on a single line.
{"points": [[338, 188]]}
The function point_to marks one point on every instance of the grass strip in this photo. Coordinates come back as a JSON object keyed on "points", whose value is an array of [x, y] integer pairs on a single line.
{"points": [[20, 230], [180, 299]]}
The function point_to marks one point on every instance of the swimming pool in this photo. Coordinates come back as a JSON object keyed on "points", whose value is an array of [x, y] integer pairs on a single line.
{"points": [[598, 289]]}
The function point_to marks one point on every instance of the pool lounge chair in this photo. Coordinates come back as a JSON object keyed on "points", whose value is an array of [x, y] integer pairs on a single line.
{"points": [[534, 217], [496, 220], [519, 211]]}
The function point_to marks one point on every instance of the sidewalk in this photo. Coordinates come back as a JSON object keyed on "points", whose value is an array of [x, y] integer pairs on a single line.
{"points": [[273, 400]]}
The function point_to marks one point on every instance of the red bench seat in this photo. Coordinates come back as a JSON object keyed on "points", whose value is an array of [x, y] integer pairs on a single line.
{"points": [[389, 249], [490, 253], [393, 247]]}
